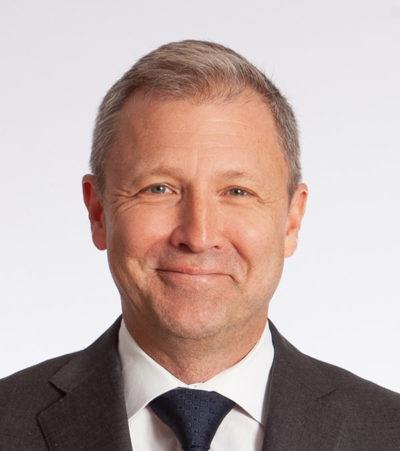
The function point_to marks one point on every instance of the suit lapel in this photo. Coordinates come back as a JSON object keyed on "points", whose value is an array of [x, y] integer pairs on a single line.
{"points": [[91, 414], [299, 412]]}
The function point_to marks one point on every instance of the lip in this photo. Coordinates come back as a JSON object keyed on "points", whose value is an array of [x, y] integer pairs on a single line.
{"points": [[181, 279], [190, 271]]}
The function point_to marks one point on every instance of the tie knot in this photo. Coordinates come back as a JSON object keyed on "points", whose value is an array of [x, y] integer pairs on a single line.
{"points": [[193, 415]]}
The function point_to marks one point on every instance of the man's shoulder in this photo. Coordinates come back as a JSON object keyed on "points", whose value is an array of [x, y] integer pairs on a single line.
{"points": [[365, 404], [366, 411], [327, 377], [38, 375], [37, 372], [350, 383], [27, 395], [29, 389]]}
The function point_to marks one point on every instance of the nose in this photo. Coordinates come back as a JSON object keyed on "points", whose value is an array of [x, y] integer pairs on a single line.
{"points": [[197, 228]]}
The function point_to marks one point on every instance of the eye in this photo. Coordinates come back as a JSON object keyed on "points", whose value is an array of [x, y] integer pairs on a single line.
{"points": [[239, 192], [155, 189]]}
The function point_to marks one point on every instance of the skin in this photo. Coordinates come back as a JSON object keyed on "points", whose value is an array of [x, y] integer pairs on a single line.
{"points": [[236, 229]]}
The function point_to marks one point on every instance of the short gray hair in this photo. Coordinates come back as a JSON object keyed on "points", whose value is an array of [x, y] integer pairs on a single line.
{"points": [[200, 70]]}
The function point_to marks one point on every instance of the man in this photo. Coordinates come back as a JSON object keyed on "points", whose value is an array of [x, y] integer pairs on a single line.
{"points": [[196, 195]]}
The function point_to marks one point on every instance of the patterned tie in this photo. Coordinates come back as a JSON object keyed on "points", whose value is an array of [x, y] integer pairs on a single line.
{"points": [[194, 415]]}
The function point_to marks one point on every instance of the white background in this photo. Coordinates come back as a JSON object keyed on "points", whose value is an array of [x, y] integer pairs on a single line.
{"points": [[337, 62]]}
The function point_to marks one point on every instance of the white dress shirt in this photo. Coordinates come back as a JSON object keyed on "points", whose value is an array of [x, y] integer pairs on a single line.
{"points": [[244, 383]]}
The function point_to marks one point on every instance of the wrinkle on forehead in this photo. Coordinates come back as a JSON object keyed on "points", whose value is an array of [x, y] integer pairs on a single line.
{"points": [[208, 121], [154, 103]]}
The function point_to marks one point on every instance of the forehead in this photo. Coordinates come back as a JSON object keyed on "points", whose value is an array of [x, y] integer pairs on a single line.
{"points": [[244, 112], [239, 134]]}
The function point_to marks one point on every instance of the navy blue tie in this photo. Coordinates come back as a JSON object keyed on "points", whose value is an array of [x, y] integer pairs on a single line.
{"points": [[193, 415]]}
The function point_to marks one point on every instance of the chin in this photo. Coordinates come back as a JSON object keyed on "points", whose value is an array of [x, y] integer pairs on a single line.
{"points": [[193, 324]]}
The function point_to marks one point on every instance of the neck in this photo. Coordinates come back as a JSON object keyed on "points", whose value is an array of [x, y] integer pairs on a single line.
{"points": [[197, 360]]}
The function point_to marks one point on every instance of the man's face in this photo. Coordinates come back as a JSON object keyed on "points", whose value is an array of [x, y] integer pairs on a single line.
{"points": [[196, 188]]}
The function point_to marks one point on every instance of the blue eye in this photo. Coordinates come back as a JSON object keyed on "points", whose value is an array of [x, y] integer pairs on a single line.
{"points": [[242, 192], [157, 191]]}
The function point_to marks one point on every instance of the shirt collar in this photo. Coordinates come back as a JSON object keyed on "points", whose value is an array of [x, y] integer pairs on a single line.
{"points": [[244, 383]]}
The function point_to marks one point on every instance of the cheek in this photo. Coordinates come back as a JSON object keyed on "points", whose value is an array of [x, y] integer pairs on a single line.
{"points": [[258, 239], [134, 232]]}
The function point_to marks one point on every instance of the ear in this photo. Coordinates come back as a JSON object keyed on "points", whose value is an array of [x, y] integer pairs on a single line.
{"points": [[96, 213], [296, 212]]}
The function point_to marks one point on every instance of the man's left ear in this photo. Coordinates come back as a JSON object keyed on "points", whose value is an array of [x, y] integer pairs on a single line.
{"points": [[295, 215]]}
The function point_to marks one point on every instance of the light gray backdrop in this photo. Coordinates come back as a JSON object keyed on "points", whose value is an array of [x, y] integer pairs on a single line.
{"points": [[338, 63]]}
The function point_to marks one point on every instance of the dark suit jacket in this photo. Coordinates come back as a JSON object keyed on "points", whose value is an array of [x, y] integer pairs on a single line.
{"points": [[76, 402]]}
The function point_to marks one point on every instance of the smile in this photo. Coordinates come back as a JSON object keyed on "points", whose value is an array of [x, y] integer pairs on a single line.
{"points": [[181, 277]]}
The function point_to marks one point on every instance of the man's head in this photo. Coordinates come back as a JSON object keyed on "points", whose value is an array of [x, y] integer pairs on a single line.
{"points": [[201, 71], [196, 170]]}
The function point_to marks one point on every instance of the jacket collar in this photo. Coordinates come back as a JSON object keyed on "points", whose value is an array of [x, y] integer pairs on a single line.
{"points": [[92, 413], [299, 414]]}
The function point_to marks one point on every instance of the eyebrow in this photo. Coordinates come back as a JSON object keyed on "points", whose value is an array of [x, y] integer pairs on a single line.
{"points": [[229, 174]]}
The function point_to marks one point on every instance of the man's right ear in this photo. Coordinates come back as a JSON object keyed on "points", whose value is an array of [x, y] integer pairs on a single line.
{"points": [[96, 213]]}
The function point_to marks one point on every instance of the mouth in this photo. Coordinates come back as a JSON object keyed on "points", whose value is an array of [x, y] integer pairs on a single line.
{"points": [[180, 277], [190, 271]]}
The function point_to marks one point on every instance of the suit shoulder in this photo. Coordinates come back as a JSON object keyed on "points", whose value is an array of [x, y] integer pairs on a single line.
{"points": [[349, 381], [22, 395], [39, 371], [29, 387], [364, 401], [371, 412], [324, 376], [333, 382]]}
